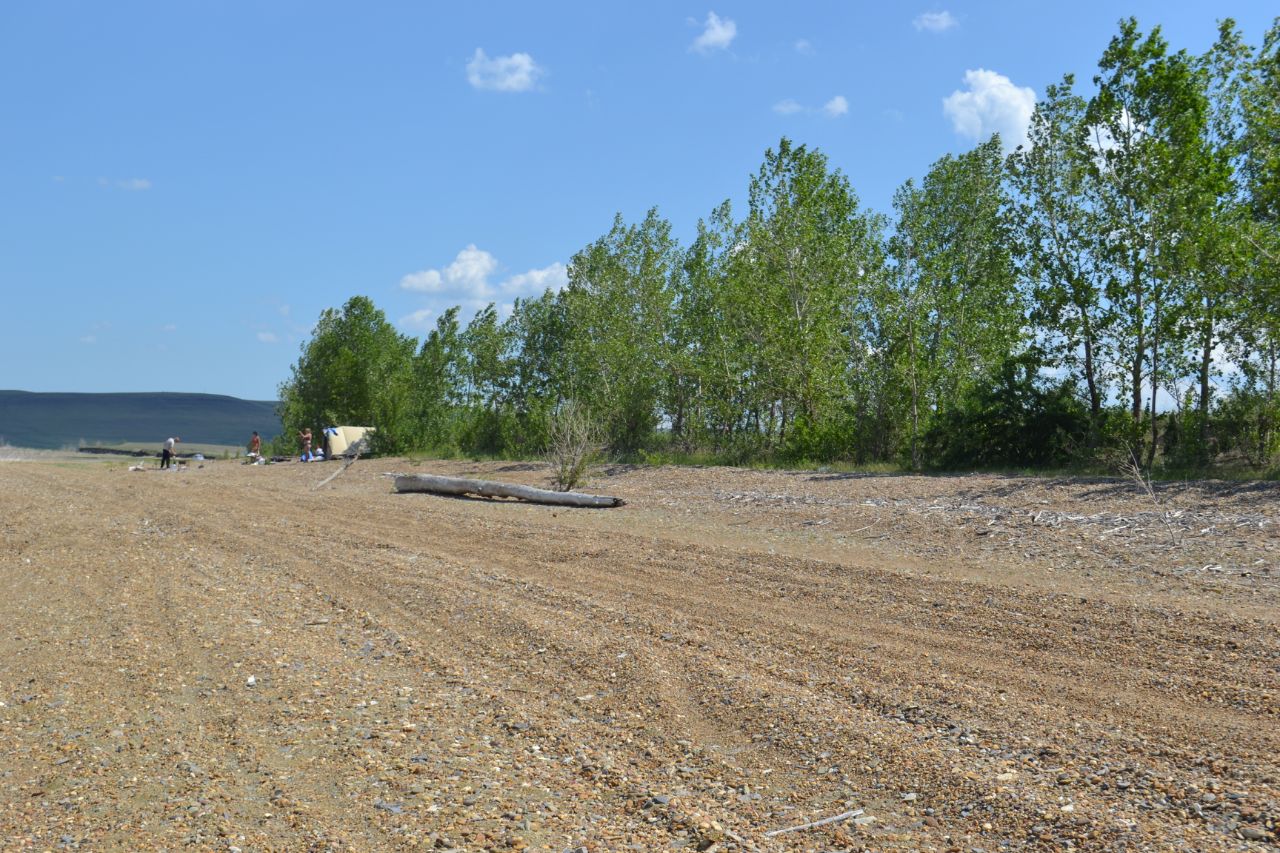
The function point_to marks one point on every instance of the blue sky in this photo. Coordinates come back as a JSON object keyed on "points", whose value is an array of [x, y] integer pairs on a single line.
{"points": [[184, 187]]}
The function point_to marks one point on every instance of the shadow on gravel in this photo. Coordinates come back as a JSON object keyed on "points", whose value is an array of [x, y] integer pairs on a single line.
{"points": [[854, 475], [1246, 492]]}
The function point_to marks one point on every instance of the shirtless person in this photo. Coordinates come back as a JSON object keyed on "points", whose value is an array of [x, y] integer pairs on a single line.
{"points": [[305, 438]]}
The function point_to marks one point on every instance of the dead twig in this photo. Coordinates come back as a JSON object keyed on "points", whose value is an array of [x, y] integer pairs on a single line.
{"points": [[849, 815], [1134, 472]]}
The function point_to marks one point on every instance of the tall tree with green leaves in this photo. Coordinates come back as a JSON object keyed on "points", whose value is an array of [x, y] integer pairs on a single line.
{"points": [[1056, 228], [710, 398], [1257, 344], [798, 278], [356, 369], [437, 371], [956, 308], [1148, 118], [537, 333], [619, 304]]}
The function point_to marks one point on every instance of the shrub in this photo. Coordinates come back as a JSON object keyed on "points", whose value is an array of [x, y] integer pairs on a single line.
{"points": [[573, 441], [1014, 423]]}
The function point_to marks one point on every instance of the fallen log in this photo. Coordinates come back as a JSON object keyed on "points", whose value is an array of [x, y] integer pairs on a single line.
{"points": [[438, 485]]}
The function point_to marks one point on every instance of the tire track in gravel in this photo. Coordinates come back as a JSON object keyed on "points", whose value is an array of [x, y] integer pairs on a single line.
{"points": [[633, 589], [757, 669]]}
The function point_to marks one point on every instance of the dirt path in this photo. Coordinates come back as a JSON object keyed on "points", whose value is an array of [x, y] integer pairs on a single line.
{"points": [[226, 657]]}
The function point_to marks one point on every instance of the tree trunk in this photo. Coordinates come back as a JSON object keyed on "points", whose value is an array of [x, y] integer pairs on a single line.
{"points": [[1135, 375], [1155, 382], [437, 485], [1095, 397], [1206, 359]]}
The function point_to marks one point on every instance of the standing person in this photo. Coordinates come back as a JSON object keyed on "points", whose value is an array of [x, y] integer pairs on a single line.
{"points": [[305, 438], [166, 456], [255, 444]]}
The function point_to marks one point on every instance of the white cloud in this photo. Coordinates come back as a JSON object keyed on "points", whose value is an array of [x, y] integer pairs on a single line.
{"points": [[717, 34], [468, 282], [935, 22], [424, 281], [89, 339], [267, 337], [991, 104], [169, 327], [134, 184], [836, 107], [515, 73], [787, 107], [803, 47], [468, 274], [535, 282]]}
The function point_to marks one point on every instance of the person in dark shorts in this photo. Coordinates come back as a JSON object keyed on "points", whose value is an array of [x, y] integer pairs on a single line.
{"points": [[166, 455]]}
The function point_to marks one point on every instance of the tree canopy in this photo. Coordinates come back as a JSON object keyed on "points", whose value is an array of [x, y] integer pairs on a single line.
{"points": [[1111, 283]]}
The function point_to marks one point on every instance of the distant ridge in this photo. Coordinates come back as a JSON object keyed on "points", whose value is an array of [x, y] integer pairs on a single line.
{"points": [[54, 420]]}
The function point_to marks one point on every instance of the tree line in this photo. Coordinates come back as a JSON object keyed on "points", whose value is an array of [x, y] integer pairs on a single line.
{"points": [[1111, 284]]}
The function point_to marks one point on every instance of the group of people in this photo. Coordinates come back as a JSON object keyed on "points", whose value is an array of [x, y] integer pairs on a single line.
{"points": [[168, 449], [304, 438]]}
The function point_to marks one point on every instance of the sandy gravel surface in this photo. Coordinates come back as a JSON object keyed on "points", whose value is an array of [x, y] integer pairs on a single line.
{"points": [[226, 657]]}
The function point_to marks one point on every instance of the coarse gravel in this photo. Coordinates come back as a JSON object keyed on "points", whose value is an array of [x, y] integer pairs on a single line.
{"points": [[229, 656]]}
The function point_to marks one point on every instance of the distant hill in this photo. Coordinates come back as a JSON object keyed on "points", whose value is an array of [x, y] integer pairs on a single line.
{"points": [[42, 420]]}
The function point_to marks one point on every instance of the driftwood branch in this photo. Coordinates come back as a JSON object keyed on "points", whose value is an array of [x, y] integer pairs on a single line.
{"points": [[826, 820], [438, 485], [344, 467]]}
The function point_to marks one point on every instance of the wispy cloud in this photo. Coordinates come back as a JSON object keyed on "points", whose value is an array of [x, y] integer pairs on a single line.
{"points": [[834, 108], [935, 22], [127, 184], [717, 34], [991, 103], [472, 282], [169, 327], [803, 47], [91, 337], [515, 73], [418, 319], [268, 337]]}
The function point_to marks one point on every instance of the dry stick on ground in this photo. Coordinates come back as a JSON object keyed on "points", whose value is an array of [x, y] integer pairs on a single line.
{"points": [[1133, 470], [344, 467], [826, 820]]}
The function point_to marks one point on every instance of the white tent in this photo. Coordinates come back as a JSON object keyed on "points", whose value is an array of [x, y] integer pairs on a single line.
{"points": [[346, 440]]}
